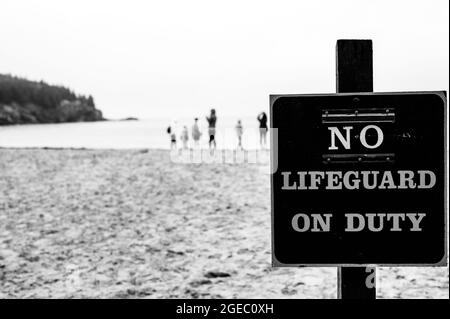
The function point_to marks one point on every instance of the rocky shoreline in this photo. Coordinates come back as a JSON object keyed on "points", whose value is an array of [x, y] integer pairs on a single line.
{"points": [[67, 111], [25, 102]]}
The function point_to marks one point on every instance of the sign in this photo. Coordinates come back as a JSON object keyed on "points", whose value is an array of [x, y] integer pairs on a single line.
{"points": [[359, 179]]}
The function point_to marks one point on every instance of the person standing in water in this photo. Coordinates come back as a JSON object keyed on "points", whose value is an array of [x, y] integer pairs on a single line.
{"points": [[196, 134], [185, 137], [239, 132], [212, 119], [173, 137], [262, 119]]}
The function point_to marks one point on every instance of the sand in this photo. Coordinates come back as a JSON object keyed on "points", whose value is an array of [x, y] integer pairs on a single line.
{"points": [[131, 224]]}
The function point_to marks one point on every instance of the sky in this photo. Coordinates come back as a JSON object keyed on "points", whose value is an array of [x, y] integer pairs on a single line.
{"points": [[170, 58]]}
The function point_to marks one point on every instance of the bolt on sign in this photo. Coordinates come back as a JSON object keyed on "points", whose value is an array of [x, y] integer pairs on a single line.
{"points": [[360, 179]]}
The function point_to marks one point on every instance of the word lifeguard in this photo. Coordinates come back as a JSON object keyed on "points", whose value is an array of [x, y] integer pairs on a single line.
{"points": [[355, 180]]}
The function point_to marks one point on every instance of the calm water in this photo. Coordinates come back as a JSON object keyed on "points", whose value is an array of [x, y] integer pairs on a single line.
{"points": [[123, 134]]}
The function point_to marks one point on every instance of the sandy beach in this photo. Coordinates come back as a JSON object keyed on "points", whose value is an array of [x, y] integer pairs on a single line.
{"points": [[132, 224]]}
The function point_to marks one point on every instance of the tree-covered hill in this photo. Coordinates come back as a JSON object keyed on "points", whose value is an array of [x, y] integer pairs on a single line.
{"points": [[23, 101]]}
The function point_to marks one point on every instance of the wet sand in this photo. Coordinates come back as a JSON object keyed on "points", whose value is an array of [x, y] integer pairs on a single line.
{"points": [[132, 224]]}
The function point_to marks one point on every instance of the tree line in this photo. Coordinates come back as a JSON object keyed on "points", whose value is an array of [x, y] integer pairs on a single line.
{"points": [[22, 91]]}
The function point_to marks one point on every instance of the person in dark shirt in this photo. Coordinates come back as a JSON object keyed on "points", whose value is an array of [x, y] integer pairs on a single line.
{"points": [[262, 119], [212, 119], [173, 137]]}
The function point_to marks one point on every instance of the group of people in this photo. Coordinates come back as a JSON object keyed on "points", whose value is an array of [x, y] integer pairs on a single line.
{"points": [[212, 120]]}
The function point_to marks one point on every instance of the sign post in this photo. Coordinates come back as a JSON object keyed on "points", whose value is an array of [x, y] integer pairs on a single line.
{"points": [[358, 178], [354, 73]]}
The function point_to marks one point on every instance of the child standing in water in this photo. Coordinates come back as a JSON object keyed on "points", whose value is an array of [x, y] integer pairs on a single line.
{"points": [[212, 119], [185, 137], [196, 134], [239, 132]]}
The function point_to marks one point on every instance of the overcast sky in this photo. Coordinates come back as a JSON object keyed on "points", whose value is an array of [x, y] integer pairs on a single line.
{"points": [[180, 58]]}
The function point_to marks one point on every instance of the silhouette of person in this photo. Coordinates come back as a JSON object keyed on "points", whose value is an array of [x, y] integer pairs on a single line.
{"points": [[196, 134], [212, 119], [173, 137], [239, 132], [185, 137], [262, 119]]}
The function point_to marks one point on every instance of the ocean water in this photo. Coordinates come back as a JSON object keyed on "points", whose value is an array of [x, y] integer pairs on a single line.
{"points": [[148, 133]]}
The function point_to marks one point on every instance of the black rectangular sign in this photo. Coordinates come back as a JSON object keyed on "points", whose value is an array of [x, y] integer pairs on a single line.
{"points": [[359, 179]]}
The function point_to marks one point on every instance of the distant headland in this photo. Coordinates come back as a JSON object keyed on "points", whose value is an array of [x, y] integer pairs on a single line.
{"points": [[23, 102]]}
